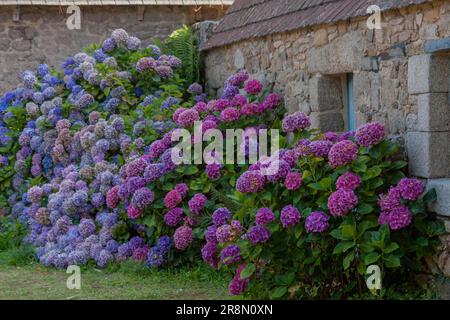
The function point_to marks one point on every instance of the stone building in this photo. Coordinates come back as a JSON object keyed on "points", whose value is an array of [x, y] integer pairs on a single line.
{"points": [[35, 31], [327, 61]]}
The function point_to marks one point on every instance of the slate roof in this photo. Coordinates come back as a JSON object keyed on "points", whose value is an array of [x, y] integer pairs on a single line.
{"points": [[115, 2], [255, 18]]}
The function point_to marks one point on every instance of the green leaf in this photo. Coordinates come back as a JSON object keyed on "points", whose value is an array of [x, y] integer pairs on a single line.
{"points": [[348, 231], [364, 208], [371, 258], [325, 183], [278, 292], [191, 170], [430, 196], [248, 271], [285, 279], [348, 259], [391, 247], [392, 261], [399, 165], [343, 247], [316, 186]]}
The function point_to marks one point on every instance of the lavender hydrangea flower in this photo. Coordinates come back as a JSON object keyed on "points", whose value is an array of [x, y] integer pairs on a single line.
{"points": [[250, 182], [86, 227], [183, 237], [142, 198], [296, 121], [224, 233], [133, 43], [195, 88]]}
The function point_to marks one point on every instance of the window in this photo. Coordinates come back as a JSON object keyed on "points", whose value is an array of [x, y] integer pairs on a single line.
{"points": [[350, 108]]}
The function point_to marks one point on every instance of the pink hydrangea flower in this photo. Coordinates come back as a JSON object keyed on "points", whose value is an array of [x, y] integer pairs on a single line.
{"points": [[369, 134], [348, 180], [253, 86], [342, 153]]}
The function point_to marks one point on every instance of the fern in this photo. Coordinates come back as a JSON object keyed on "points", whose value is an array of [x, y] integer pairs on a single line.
{"points": [[183, 44]]}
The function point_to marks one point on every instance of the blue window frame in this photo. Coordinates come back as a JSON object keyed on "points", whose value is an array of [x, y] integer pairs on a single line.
{"points": [[350, 107]]}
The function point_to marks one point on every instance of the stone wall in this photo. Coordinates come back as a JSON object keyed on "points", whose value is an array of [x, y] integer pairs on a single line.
{"points": [[401, 78], [41, 34]]}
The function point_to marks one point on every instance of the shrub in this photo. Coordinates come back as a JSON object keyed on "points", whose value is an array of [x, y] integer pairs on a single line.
{"points": [[312, 230]]}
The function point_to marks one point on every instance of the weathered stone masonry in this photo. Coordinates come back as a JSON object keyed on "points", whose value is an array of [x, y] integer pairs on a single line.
{"points": [[400, 78], [41, 34]]}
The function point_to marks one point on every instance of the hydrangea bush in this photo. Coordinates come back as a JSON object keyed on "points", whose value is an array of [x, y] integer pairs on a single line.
{"points": [[338, 204]]}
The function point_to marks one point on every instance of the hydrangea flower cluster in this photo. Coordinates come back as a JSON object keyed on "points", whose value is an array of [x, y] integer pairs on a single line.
{"points": [[394, 211]]}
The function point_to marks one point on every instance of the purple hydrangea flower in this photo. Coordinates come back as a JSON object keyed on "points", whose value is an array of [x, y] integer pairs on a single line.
{"points": [[348, 180], [410, 189], [221, 216], [230, 254], [210, 234], [258, 234], [317, 222], [320, 148], [264, 216], [289, 216], [342, 202], [293, 180], [237, 285], [342, 153], [213, 171], [195, 88], [173, 217], [142, 198], [197, 203], [209, 254]]}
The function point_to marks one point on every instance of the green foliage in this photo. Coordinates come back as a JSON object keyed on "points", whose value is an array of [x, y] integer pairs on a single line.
{"points": [[296, 264], [12, 252]]}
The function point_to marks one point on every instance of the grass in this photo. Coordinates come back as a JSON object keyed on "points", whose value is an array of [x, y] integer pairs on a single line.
{"points": [[126, 281]]}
